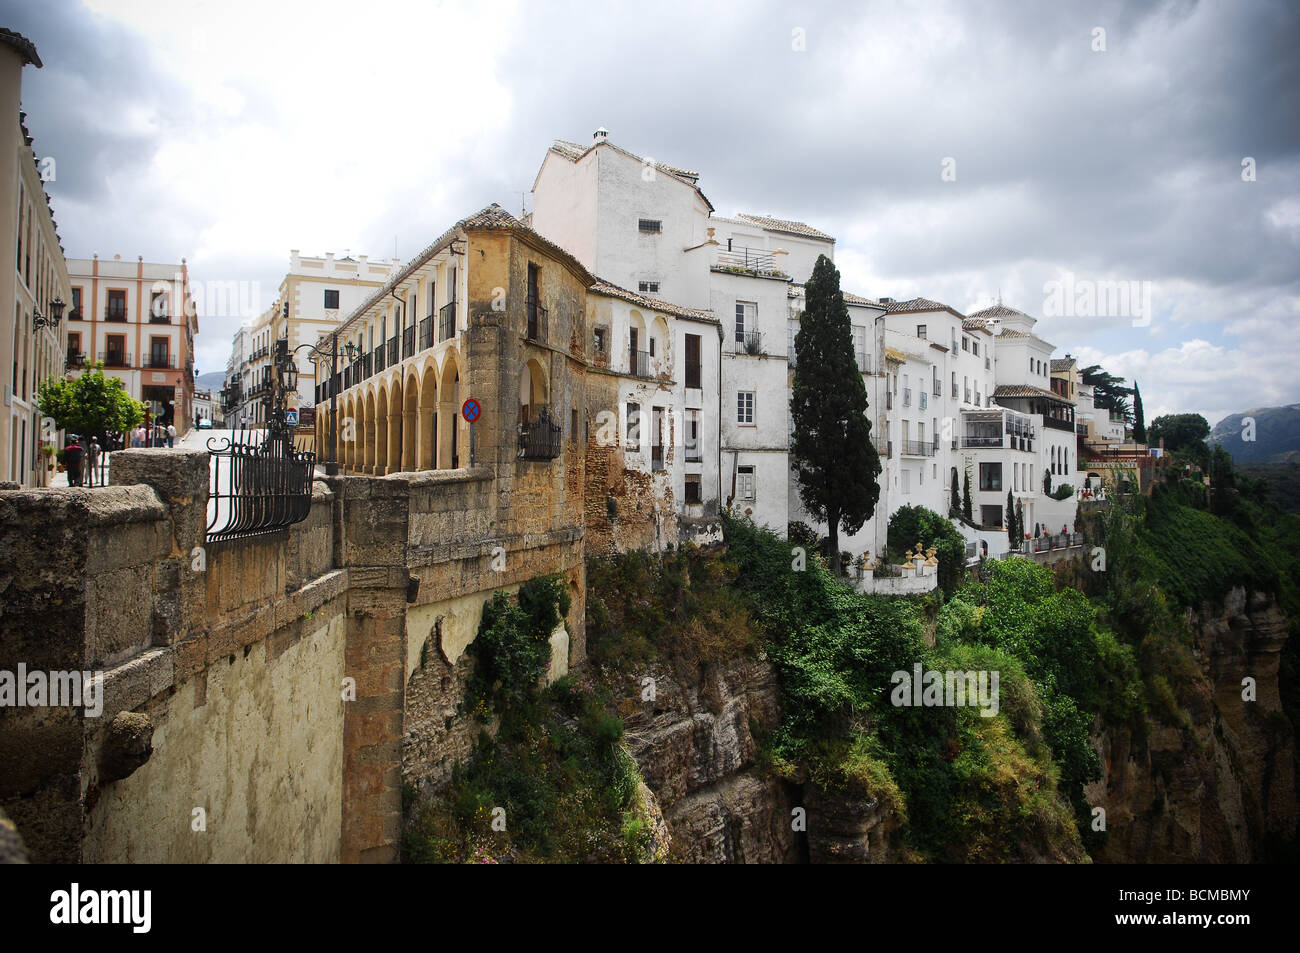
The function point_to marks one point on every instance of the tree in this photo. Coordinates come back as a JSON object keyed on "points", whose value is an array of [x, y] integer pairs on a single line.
{"points": [[1139, 419], [1047, 482], [1013, 533], [965, 498], [1020, 520], [1179, 431], [91, 404], [835, 462], [1108, 391], [956, 497]]}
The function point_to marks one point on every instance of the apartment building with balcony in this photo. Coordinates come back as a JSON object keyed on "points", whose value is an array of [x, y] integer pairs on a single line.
{"points": [[32, 338], [139, 320]]}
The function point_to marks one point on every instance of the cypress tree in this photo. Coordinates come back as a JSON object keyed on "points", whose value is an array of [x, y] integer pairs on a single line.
{"points": [[1013, 536], [834, 460], [956, 497], [1020, 521], [965, 498], [1139, 419]]}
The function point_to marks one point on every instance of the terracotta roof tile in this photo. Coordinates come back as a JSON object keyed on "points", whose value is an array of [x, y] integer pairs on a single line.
{"points": [[611, 290], [786, 226]]}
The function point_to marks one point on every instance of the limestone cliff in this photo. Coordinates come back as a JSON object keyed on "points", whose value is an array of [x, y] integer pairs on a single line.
{"points": [[1221, 787]]}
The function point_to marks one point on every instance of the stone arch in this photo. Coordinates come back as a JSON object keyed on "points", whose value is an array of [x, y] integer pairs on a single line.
{"points": [[661, 359], [393, 463], [411, 421], [428, 418], [450, 447], [637, 336], [376, 433], [534, 391]]}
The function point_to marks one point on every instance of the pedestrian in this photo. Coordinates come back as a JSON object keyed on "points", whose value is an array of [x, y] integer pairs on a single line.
{"points": [[92, 460], [171, 435], [137, 437], [73, 460]]}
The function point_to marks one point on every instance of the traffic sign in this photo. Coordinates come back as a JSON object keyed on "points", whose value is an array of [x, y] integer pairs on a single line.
{"points": [[291, 417], [470, 410]]}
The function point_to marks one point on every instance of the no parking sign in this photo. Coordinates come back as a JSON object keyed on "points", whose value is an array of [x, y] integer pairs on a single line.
{"points": [[470, 410]]}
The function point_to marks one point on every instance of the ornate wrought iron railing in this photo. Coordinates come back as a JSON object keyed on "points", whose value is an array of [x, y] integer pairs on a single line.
{"points": [[540, 438], [257, 486]]}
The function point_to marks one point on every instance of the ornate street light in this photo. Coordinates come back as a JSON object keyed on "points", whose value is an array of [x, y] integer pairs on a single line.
{"points": [[55, 316], [330, 359]]}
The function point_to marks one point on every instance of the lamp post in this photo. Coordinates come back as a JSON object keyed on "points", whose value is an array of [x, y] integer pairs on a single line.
{"points": [[331, 359], [55, 316]]}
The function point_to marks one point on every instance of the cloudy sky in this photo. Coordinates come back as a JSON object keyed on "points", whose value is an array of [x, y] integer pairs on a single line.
{"points": [[956, 151]]}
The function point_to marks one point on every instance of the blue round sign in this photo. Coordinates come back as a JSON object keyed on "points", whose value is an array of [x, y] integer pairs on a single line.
{"points": [[470, 410]]}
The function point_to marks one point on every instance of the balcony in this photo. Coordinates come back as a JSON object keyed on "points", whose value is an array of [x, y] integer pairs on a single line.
{"points": [[938, 389], [954, 390], [393, 356], [75, 359], [162, 361], [907, 397], [113, 314], [160, 319], [916, 448], [540, 438], [447, 322], [749, 342], [975, 442], [115, 359], [1056, 424], [968, 400], [639, 363], [379, 354], [538, 318], [408, 341], [747, 260], [426, 333]]}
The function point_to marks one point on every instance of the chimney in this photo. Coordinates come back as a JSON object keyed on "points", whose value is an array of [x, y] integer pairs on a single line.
{"points": [[601, 135], [886, 300]]}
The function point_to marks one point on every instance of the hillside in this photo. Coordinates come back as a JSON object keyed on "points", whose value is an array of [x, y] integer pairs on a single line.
{"points": [[1277, 435], [210, 381]]}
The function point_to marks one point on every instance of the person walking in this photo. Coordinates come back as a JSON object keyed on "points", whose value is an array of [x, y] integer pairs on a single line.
{"points": [[171, 435], [73, 460], [92, 462]]}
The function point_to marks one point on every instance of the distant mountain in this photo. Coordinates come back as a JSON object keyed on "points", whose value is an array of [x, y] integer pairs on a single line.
{"points": [[211, 381], [1277, 435]]}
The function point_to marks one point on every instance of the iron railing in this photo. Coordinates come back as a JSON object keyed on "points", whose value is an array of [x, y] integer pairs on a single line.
{"points": [[1057, 424], [76, 359], [408, 341], [380, 353], [426, 333], [162, 361], [393, 356], [257, 488], [538, 318], [749, 259], [639, 363], [917, 448], [540, 438], [115, 359], [447, 321], [749, 342]]}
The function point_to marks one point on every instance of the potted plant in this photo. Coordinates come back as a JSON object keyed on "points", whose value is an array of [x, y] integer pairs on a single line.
{"points": [[47, 451]]}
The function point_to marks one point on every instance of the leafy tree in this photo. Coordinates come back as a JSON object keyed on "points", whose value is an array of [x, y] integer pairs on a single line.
{"points": [[965, 498], [835, 461], [1179, 431], [1108, 391], [956, 497], [91, 404], [1012, 534], [915, 524], [1139, 418]]}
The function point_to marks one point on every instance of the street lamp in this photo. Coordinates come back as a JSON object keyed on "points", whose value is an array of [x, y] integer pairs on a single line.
{"points": [[331, 360], [52, 321]]}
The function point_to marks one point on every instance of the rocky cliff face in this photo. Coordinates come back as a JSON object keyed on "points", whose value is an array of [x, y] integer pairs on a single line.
{"points": [[1221, 787], [695, 744]]}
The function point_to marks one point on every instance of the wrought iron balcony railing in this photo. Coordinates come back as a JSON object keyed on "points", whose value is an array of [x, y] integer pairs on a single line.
{"points": [[749, 342], [115, 359], [447, 321], [426, 333], [639, 363], [161, 361], [540, 438], [408, 341], [393, 356]]}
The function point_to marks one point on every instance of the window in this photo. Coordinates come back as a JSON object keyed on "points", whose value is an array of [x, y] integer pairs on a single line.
{"points": [[991, 515], [76, 305], [158, 352], [860, 348], [657, 438], [693, 361], [920, 331], [990, 476], [116, 305], [1031, 365], [694, 452], [745, 407], [975, 348], [745, 319], [744, 483], [692, 494], [650, 226], [633, 427], [599, 340], [648, 287], [331, 299], [965, 343], [158, 308]]}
